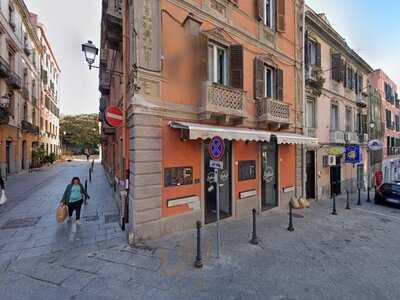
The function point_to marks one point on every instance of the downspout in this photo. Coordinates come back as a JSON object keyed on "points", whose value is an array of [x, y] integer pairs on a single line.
{"points": [[125, 66], [304, 175]]}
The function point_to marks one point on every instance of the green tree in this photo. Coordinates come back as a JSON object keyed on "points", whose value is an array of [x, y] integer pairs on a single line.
{"points": [[80, 132]]}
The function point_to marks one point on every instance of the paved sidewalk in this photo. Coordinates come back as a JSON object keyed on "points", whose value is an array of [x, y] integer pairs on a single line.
{"points": [[349, 256]]}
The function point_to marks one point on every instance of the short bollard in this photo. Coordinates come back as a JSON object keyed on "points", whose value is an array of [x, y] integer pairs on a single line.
{"points": [[85, 198], [92, 164], [368, 197], [90, 175], [334, 205], [359, 197], [290, 227], [198, 262], [254, 239], [347, 200]]}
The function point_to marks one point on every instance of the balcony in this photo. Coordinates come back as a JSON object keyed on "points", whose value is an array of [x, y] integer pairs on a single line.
{"points": [[14, 81], [29, 127], [112, 14], [4, 115], [393, 151], [351, 137], [361, 100], [337, 137], [104, 84], [273, 111], [311, 132], [4, 68], [25, 93], [220, 100]]}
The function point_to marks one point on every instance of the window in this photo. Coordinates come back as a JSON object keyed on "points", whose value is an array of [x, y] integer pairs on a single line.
{"points": [[310, 113], [217, 64], [349, 119], [269, 15], [25, 114], [33, 116], [311, 53], [397, 122], [388, 119], [269, 82], [334, 117]]}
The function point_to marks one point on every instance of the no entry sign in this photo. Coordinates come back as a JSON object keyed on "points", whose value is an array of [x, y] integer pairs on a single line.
{"points": [[216, 148], [114, 116]]}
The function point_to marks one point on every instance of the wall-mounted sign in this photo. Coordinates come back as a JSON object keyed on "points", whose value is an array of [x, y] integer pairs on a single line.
{"points": [[114, 116], [247, 170], [337, 150], [352, 154], [375, 145], [247, 194]]}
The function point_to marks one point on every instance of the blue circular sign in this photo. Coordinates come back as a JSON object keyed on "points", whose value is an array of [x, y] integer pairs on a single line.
{"points": [[216, 148]]}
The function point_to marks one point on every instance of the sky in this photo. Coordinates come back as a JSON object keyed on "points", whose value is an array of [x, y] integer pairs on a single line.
{"points": [[370, 28], [69, 24]]}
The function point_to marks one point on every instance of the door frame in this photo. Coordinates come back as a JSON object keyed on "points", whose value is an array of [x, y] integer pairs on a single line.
{"points": [[278, 170], [315, 172], [203, 145]]}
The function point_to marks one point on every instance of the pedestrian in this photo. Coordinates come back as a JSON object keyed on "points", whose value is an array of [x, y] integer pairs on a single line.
{"points": [[73, 198], [87, 156], [3, 198]]}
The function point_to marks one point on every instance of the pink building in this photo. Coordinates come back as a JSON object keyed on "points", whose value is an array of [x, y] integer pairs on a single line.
{"points": [[390, 122]]}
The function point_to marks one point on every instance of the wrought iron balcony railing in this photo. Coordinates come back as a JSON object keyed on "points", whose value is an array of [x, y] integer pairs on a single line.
{"points": [[29, 127], [14, 80]]}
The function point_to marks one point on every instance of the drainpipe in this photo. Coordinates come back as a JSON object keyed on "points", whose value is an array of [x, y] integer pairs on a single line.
{"points": [[303, 157], [125, 62]]}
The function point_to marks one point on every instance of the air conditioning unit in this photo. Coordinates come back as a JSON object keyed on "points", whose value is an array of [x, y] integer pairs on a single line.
{"points": [[329, 160]]}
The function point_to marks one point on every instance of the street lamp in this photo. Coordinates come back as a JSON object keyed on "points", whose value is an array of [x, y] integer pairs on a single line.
{"points": [[91, 52]]}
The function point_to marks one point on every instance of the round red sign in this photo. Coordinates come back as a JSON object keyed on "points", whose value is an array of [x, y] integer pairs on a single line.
{"points": [[114, 116], [216, 148]]}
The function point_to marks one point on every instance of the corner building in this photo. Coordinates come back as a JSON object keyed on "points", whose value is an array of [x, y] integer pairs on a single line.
{"points": [[202, 68]]}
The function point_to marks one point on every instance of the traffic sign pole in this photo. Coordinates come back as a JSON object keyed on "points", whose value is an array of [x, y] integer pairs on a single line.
{"points": [[216, 179]]}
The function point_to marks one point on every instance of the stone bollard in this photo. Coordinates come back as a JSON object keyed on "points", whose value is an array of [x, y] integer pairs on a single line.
{"points": [[254, 239], [198, 262], [290, 227]]}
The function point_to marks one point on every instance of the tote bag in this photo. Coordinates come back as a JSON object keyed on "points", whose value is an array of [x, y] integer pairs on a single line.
{"points": [[61, 213]]}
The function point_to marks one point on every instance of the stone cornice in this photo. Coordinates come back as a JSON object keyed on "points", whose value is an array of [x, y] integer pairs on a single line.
{"points": [[187, 5], [332, 37]]}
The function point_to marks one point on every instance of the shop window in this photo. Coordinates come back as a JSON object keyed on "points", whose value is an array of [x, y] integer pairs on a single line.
{"points": [[247, 170], [178, 176]]}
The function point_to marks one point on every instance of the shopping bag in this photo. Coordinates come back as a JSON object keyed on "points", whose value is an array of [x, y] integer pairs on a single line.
{"points": [[62, 213], [3, 198]]}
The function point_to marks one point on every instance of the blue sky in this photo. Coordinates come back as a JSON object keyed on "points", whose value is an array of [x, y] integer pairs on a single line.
{"points": [[371, 28]]}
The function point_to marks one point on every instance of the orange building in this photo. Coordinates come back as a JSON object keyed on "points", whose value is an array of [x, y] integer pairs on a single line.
{"points": [[202, 68]]}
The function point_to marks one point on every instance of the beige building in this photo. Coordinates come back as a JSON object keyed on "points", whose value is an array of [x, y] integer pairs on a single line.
{"points": [[49, 94], [336, 109], [20, 52]]}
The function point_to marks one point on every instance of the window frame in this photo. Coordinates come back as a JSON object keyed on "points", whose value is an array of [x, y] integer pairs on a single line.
{"points": [[214, 63], [349, 121], [273, 82], [313, 114], [269, 13], [336, 127]]}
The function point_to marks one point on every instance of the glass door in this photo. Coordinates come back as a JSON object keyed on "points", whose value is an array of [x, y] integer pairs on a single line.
{"points": [[269, 177]]}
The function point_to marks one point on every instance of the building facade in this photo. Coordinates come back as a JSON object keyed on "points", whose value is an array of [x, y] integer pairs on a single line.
{"points": [[20, 52], [390, 122], [202, 68], [49, 94], [336, 103]]}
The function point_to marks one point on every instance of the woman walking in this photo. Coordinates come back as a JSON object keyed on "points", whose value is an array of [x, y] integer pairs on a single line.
{"points": [[73, 198]]}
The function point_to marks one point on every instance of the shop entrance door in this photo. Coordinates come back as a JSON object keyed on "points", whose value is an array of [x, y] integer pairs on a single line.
{"points": [[310, 169], [335, 178], [210, 195], [269, 194]]}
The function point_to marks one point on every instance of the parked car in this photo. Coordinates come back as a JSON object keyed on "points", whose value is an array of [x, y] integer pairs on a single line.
{"points": [[388, 193]]}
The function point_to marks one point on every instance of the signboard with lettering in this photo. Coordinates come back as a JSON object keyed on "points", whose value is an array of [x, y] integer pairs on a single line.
{"points": [[352, 154]]}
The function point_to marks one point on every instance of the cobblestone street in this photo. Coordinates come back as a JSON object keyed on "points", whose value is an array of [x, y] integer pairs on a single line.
{"points": [[349, 256]]}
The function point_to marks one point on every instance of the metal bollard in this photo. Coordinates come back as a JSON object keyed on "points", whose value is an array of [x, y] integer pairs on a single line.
{"points": [[198, 262], [85, 198], [359, 197], [368, 197], [347, 200], [254, 239], [334, 205], [290, 227], [92, 164], [90, 175]]}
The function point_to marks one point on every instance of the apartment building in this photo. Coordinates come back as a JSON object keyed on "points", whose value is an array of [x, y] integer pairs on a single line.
{"points": [[336, 100], [390, 123], [202, 68], [20, 52], [49, 93]]}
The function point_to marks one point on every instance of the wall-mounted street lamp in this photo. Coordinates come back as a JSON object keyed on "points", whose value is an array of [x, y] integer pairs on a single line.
{"points": [[91, 51]]}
